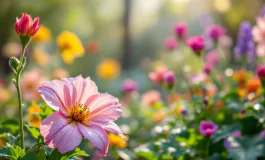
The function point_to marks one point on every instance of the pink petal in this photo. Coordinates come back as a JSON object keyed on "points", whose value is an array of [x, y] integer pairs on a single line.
{"points": [[66, 139], [82, 88], [51, 125], [104, 108], [111, 127], [97, 136], [53, 94]]}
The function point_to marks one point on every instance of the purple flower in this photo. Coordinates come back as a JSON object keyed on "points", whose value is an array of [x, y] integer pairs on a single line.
{"points": [[169, 77], [245, 46], [228, 143], [129, 86], [184, 111], [208, 128], [262, 134], [261, 72]]}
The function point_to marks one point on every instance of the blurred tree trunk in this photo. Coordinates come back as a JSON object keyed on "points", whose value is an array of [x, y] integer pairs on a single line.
{"points": [[126, 56]]}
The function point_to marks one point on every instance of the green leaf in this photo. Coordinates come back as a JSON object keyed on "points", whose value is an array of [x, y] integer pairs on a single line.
{"points": [[248, 149], [45, 111], [76, 152], [29, 156], [55, 155], [11, 139], [10, 125], [35, 133], [146, 151], [225, 131], [126, 154], [41, 155], [13, 152]]}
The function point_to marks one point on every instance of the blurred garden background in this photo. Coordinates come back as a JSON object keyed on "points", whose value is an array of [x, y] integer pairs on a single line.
{"points": [[121, 44], [130, 32]]}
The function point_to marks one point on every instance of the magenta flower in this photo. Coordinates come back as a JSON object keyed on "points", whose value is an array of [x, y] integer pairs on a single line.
{"points": [[81, 111], [215, 32], [196, 44], [181, 30], [129, 86], [208, 128], [25, 26], [207, 69], [261, 72], [158, 76], [170, 43]]}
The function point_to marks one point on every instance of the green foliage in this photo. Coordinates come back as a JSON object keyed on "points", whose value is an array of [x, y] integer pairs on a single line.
{"points": [[35, 133], [12, 152], [225, 131], [249, 148], [55, 155], [9, 125], [126, 154]]}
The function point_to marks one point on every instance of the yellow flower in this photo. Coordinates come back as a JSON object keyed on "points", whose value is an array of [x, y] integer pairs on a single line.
{"points": [[43, 35], [116, 140], [32, 118], [70, 46], [41, 57], [108, 69]]}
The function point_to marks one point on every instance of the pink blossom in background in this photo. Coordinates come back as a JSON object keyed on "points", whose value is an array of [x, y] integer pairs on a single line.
{"points": [[181, 30], [196, 44], [150, 98], [197, 78], [170, 43], [60, 73], [215, 32], [158, 76], [261, 71], [225, 41], [169, 77], [212, 59], [25, 26], [129, 86], [260, 49], [30, 82], [207, 69], [258, 31], [81, 111]]}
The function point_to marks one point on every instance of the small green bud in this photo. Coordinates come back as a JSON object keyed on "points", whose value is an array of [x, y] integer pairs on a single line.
{"points": [[14, 63]]}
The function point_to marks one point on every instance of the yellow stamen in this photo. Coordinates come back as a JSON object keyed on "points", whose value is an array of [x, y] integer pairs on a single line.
{"points": [[79, 113]]}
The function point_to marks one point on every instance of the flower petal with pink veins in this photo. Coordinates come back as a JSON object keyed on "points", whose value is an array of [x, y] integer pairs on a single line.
{"points": [[111, 127], [51, 125], [97, 136], [81, 89], [53, 94], [104, 108]]}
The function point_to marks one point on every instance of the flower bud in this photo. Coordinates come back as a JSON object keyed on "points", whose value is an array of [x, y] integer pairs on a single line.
{"points": [[26, 27], [169, 79], [181, 31], [215, 32], [196, 44], [207, 69], [14, 63], [129, 86]]}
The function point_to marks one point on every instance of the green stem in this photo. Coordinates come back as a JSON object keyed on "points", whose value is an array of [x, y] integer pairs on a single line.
{"points": [[17, 83], [208, 148]]}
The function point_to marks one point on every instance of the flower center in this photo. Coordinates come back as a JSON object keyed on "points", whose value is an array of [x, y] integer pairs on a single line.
{"points": [[79, 113]]}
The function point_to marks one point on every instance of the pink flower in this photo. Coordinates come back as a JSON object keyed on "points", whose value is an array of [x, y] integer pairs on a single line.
{"points": [[170, 43], [169, 77], [158, 75], [258, 31], [150, 98], [25, 26], [81, 111], [207, 69], [197, 78], [181, 30], [129, 86], [260, 49], [196, 44], [30, 82], [208, 128], [212, 59], [215, 32]]}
